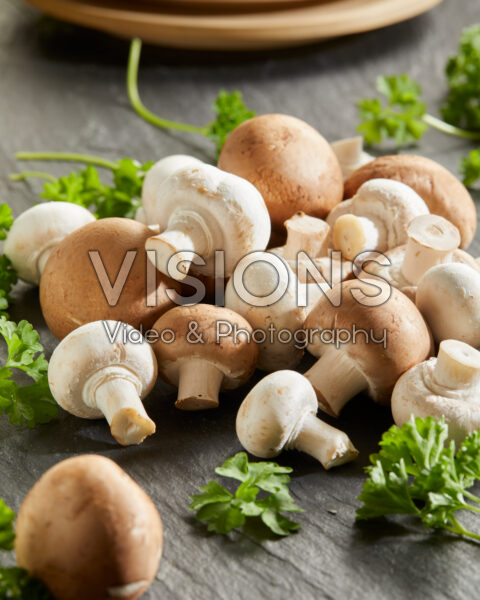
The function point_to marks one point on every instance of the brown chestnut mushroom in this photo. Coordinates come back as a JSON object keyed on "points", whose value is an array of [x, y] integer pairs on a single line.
{"points": [[443, 193], [100, 271], [203, 349], [289, 162], [87, 530], [364, 343]]}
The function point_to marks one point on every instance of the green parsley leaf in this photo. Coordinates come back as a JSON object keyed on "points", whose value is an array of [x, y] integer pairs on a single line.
{"points": [[16, 584], [416, 473], [400, 117], [6, 220], [224, 511], [230, 111], [462, 106], [31, 404], [470, 168], [7, 533]]}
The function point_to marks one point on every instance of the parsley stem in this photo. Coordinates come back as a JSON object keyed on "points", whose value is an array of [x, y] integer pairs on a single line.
{"points": [[450, 129], [28, 174], [136, 102], [471, 496], [458, 528], [87, 159]]}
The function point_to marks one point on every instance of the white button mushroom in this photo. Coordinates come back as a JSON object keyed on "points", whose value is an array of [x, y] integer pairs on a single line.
{"points": [[103, 369], [203, 349], [279, 414], [37, 231], [432, 240], [350, 154], [448, 296], [155, 177], [364, 343], [376, 218], [448, 386], [265, 291], [87, 530], [203, 209]]}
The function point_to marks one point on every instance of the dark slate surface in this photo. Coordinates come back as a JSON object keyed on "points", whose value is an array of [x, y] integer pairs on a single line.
{"points": [[63, 89]]}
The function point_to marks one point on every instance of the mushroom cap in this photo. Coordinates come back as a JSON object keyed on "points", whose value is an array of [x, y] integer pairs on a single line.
{"points": [[262, 278], [232, 207], [273, 412], [448, 297], [390, 205], [155, 177], [41, 228], [291, 164], [417, 393], [443, 193], [236, 361], [70, 291], [87, 530], [408, 339], [79, 364]]}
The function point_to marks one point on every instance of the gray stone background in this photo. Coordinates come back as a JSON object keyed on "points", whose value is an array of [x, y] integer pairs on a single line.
{"points": [[62, 88]]}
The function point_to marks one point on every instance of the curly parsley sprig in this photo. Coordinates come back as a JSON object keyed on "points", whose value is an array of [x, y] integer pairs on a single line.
{"points": [[224, 510], [229, 107], [416, 473], [29, 404]]}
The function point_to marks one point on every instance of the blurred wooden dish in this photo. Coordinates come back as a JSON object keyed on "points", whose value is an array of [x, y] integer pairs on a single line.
{"points": [[186, 27]]}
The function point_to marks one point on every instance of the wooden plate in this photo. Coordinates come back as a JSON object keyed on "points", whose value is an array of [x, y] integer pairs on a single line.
{"points": [[187, 27]]}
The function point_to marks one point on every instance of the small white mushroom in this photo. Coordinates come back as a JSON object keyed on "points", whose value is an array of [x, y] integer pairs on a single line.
{"points": [[350, 154], [448, 296], [104, 369], [38, 231], [432, 240], [447, 386], [279, 414], [376, 218], [265, 291], [155, 177], [310, 236], [203, 209]]}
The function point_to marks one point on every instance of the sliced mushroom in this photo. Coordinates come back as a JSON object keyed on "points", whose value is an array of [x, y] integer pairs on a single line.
{"points": [[311, 236], [432, 240], [447, 386], [93, 374], [279, 413], [155, 176], [87, 530], [448, 297], [363, 343], [200, 210], [100, 272], [203, 349], [376, 218], [37, 231], [291, 164], [443, 193], [265, 291], [350, 154]]}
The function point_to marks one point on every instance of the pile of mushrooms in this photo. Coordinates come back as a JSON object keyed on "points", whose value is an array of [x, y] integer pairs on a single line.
{"points": [[271, 214]]}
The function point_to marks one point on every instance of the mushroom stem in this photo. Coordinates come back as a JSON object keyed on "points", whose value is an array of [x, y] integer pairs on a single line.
{"points": [[336, 380], [306, 234], [327, 444], [187, 234], [119, 401], [431, 240], [199, 385], [458, 365], [353, 235]]}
